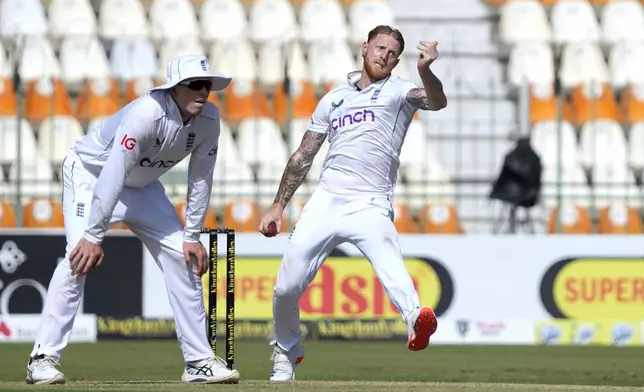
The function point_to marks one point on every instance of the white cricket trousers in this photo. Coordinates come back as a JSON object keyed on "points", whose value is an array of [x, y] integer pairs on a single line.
{"points": [[152, 218], [326, 221]]}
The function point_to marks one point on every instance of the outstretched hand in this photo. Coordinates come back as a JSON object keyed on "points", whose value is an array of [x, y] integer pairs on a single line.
{"points": [[428, 53]]}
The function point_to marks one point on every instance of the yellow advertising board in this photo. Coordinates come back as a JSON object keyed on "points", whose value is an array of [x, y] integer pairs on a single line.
{"points": [[344, 288]]}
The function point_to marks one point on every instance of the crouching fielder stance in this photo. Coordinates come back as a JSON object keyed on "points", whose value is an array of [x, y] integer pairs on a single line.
{"points": [[366, 122], [111, 175]]}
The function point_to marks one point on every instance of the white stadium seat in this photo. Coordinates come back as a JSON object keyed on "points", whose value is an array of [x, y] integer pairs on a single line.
{"points": [[626, 62], [636, 146], [172, 19], [582, 62], [228, 151], [223, 20], [524, 21], [427, 182], [133, 57], [415, 149], [232, 181], [622, 20], [122, 18], [322, 20], [574, 21], [37, 178], [22, 17], [364, 15], [271, 63], [9, 140], [567, 183], [234, 58], [260, 142], [471, 76], [83, 57], [555, 143], [471, 37], [272, 20], [603, 142], [71, 17], [449, 9], [614, 182], [38, 59], [56, 135], [6, 68], [531, 62], [177, 47], [330, 62]]}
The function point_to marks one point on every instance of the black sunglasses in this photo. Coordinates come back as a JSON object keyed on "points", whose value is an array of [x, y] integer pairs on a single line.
{"points": [[197, 85]]}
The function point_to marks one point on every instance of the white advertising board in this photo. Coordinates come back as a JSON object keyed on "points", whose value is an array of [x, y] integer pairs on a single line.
{"points": [[22, 328]]}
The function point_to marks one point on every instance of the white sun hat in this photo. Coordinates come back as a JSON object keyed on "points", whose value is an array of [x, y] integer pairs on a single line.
{"points": [[191, 67]]}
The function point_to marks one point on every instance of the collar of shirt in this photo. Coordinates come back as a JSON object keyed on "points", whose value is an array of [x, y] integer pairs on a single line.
{"points": [[172, 110], [353, 78]]}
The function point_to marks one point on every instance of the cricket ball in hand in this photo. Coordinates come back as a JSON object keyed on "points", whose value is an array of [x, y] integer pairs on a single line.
{"points": [[272, 229]]}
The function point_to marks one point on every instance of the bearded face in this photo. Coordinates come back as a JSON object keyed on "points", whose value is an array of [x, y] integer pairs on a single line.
{"points": [[380, 56]]}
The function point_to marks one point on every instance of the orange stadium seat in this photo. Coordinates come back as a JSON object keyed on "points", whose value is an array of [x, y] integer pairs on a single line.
{"points": [[214, 99], [242, 215], [572, 219], [118, 226], [242, 100], [594, 102], [47, 97], [210, 221], [99, 98], [440, 218], [632, 103], [7, 98], [619, 219], [43, 213], [543, 106], [303, 101], [136, 88], [7, 215], [402, 218]]}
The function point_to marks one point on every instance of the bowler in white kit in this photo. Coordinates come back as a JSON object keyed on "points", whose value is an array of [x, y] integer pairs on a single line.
{"points": [[112, 175], [365, 122]]}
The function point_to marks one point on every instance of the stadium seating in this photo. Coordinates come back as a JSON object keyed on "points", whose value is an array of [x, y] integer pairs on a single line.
{"points": [[568, 73]]}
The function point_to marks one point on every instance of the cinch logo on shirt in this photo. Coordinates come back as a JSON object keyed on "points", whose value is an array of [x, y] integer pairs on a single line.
{"points": [[146, 162], [351, 118]]}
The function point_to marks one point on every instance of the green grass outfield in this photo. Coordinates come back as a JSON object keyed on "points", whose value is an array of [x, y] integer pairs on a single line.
{"points": [[346, 366]]}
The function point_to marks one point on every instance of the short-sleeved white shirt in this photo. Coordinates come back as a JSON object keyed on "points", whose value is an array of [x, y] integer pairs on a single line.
{"points": [[366, 129]]}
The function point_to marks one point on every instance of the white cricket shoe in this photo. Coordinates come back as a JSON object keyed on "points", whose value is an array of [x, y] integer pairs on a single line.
{"points": [[210, 371], [41, 370], [285, 362]]}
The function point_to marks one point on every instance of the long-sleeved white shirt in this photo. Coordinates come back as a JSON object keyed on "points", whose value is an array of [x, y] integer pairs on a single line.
{"points": [[138, 144]]}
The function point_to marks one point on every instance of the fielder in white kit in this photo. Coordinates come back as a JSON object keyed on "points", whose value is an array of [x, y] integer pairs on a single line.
{"points": [[366, 122], [111, 175]]}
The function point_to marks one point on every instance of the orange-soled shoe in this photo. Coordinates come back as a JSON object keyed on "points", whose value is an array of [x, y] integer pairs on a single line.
{"points": [[424, 327]]}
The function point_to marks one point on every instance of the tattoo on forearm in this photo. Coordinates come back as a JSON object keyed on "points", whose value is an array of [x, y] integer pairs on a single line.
{"points": [[418, 98], [298, 166]]}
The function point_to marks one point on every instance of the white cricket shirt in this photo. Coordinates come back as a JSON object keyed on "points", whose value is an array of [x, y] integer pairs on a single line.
{"points": [[138, 144], [366, 129]]}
